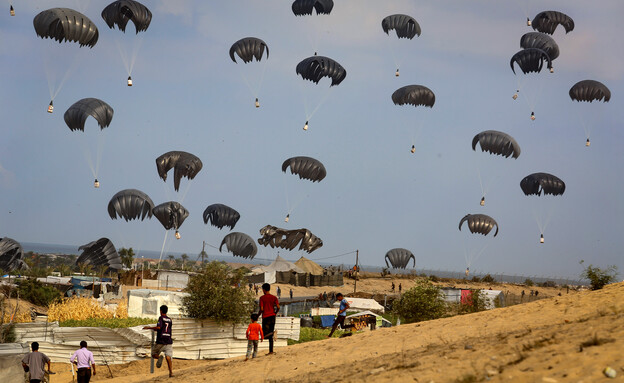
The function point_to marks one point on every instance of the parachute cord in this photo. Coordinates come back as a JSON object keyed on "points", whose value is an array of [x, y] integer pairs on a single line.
{"points": [[397, 64], [123, 54], [475, 258], [86, 151], [186, 190], [305, 100], [538, 219], [101, 139], [136, 46], [264, 66], [248, 83], [549, 214], [299, 201], [481, 182], [320, 103], [167, 191], [286, 193], [162, 249]]}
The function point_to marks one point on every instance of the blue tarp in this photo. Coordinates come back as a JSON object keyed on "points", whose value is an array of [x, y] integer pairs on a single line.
{"points": [[327, 320]]}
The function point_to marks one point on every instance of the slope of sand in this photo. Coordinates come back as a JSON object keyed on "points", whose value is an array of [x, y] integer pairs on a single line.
{"points": [[539, 341]]}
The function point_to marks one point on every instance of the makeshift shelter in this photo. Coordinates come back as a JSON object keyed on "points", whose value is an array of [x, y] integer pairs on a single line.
{"points": [[277, 272], [309, 266], [362, 304]]}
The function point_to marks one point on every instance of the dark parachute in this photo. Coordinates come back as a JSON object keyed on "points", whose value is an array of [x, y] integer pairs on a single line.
{"points": [[130, 204], [540, 41], [497, 142], [304, 7], [120, 12], [100, 253], [306, 167], [414, 95], [314, 68], [64, 24], [170, 214], [240, 244], [547, 22], [248, 48], [184, 165], [405, 26], [399, 258], [590, 90], [530, 60], [78, 113], [11, 255], [479, 224], [221, 215], [538, 183], [288, 239]]}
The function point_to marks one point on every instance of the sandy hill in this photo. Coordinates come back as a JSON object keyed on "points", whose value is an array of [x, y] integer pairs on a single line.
{"points": [[561, 339]]}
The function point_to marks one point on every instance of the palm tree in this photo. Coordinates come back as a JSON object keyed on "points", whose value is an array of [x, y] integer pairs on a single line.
{"points": [[65, 270], [127, 256]]}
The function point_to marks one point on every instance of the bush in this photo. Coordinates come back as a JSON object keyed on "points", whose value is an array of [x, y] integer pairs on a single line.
{"points": [[434, 278], [422, 302], [598, 277], [547, 284], [529, 282], [475, 279], [488, 279], [36, 293], [109, 323], [7, 333], [219, 293]]}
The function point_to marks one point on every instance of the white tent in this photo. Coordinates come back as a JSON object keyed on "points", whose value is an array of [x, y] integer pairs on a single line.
{"points": [[279, 264], [362, 304]]}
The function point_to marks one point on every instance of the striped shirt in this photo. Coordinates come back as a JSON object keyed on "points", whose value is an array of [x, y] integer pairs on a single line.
{"points": [[83, 357]]}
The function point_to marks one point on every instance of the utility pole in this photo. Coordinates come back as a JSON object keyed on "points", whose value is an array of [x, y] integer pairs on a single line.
{"points": [[356, 273], [203, 253]]}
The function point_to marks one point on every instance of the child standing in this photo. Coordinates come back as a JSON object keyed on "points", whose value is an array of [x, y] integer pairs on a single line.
{"points": [[252, 336]]}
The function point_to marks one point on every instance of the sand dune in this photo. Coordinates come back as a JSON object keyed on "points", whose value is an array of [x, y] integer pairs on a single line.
{"points": [[540, 341]]}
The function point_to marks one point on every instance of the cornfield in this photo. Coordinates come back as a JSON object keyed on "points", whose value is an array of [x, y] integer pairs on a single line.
{"points": [[77, 308]]}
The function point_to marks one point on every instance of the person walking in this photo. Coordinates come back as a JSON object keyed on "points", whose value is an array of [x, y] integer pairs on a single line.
{"points": [[269, 306], [164, 341], [291, 293], [279, 293], [342, 314], [392, 286], [254, 332], [400, 288], [83, 359], [34, 363]]}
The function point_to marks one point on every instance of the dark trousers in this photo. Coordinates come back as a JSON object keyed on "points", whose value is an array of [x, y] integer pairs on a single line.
{"points": [[268, 327], [339, 321], [84, 375]]}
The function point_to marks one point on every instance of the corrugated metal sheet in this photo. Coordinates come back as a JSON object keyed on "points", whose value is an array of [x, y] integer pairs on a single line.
{"points": [[193, 339]]}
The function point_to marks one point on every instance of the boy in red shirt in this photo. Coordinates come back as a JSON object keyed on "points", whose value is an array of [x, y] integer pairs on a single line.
{"points": [[252, 336], [269, 306]]}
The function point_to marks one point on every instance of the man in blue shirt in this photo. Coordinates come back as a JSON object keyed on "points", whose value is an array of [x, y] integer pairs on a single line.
{"points": [[163, 339], [342, 314]]}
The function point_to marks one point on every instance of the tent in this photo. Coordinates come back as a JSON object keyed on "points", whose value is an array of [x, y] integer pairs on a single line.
{"points": [[268, 274], [309, 266], [362, 304]]}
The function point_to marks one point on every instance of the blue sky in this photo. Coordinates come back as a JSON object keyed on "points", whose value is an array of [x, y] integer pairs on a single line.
{"points": [[188, 95]]}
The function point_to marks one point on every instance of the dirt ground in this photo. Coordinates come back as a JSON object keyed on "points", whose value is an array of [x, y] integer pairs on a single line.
{"points": [[569, 338]]}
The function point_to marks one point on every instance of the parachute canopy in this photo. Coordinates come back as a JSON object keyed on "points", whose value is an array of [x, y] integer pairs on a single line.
{"points": [[540, 41], [405, 26], [120, 12], [288, 239], [64, 24], [538, 183], [590, 90], [78, 113], [100, 253], [547, 22], [414, 95], [11, 255], [240, 245], [497, 142], [130, 204], [314, 68], [184, 165], [479, 224], [170, 214], [306, 167], [530, 60], [399, 258], [221, 215], [304, 7], [248, 48]]}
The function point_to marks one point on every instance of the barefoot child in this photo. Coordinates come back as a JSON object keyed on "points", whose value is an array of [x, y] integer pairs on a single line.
{"points": [[252, 336]]}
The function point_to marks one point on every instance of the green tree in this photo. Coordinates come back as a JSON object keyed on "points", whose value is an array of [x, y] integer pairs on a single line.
{"points": [[65, 270], [127, 256], [219, 293], [424, 301], [477, 302], [599, 278], [35, 292]]}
